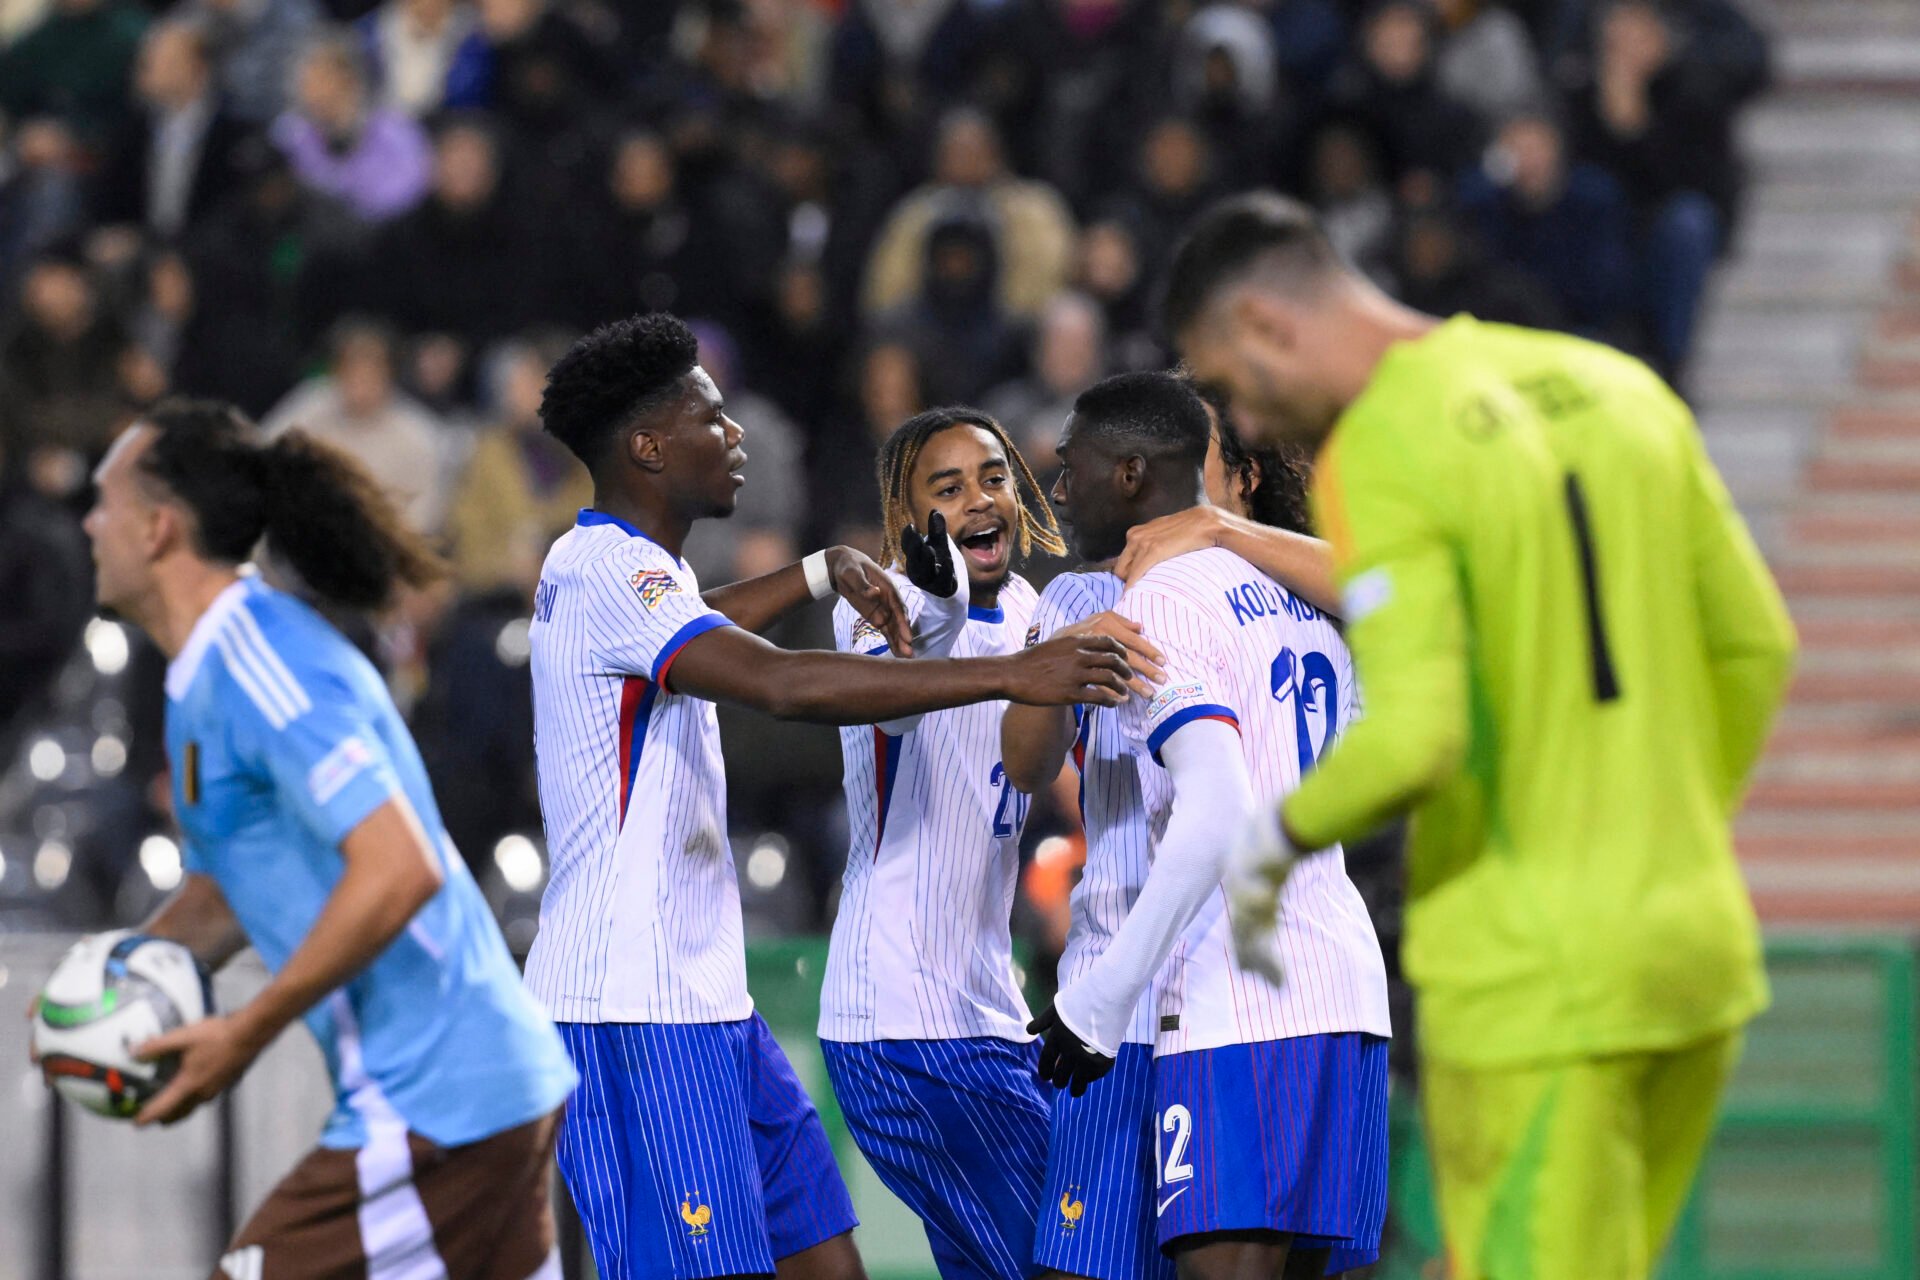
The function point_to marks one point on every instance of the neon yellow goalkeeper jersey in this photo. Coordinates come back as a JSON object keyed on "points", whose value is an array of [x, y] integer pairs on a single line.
{"points": [[1570, 652]]}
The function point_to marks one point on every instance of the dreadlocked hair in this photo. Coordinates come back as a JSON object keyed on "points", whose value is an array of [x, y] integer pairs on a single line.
{"points": [[318, 510], [902, 450], [1273, 479]]}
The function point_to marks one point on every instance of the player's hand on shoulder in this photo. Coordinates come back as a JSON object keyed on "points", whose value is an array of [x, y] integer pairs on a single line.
{"points": [[1258, 864], [214, 1053], [1158, 541], [1070, 669], [1066, 1061], [862, 583], [930, 560], [1142, 655]]}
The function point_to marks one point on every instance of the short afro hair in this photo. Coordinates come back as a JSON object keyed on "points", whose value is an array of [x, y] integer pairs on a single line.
{"points": [[1154, 415], [614, 375], [1261, 228]]}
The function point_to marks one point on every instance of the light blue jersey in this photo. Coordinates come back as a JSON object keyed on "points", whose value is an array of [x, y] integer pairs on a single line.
{"points": [[282, 740]]}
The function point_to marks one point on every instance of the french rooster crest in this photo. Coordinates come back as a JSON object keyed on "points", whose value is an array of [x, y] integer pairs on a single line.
{"points": [[1070, 1209], [695, 1216]]}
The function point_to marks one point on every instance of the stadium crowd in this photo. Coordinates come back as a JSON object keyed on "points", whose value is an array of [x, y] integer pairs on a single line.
{"points": [[383, 224]]}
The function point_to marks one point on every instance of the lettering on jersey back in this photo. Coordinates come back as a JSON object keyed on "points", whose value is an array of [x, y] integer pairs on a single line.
{"points": [[543, 601], [1262, 598]]}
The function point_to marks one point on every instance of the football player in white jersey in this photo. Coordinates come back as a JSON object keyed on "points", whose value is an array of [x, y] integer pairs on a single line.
{"points": [[1270, 1102], [1101, 1166], [690, 1148], [921, 1016]]}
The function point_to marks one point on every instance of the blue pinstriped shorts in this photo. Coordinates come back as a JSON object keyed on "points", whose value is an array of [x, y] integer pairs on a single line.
{"points": [[1283, 1135], [958, 1130], [691, 1150], [1096, 1215]]}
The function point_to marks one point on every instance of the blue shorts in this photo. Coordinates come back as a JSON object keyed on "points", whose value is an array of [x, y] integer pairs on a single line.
{"points": [[691, 1150], [1096, 1216], [958, 1130], [1284, 1135]]}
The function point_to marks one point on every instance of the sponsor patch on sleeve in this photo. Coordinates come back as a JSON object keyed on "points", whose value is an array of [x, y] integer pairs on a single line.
{"points": [[1174, 697], [337, 768], [1367, 593], [653, 586]]}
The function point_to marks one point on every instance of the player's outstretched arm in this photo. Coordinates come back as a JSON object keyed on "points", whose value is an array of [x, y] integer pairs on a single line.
{"points": [[391, 871], [727, 664], [1034, 741], [1212, 794], [198, 918], [758, 603], [1301, 564]]}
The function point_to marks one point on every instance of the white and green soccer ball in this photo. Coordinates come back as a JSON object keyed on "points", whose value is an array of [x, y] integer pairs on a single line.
{"points": [[108, 995]]}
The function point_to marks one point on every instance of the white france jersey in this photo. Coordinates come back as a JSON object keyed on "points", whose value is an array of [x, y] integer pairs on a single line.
{"points": [[1112, 810], [641, 917], [1242, 649], [922, 947]]}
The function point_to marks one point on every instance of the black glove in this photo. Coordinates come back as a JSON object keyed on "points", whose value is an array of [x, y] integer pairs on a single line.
{"points": [[929, 560], [1066, 1061]]}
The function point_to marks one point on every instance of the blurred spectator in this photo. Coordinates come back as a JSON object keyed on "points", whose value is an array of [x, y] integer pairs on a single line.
{"points": [[550, 77], [802, 349], [1310, 38], [256, 266], [1394, 90], [1030, 223], [644, 247], [375, 160], [60, 377], [17, 17], [172, 165], [1441, 270], [1069, 355], [964, 339], [521, 489], [467, 261], [1224, 77], [831, 200], [40, 195], [256, 44], [1487, 59], [888, 391], [46, 595], [1108, 270], [1660, 118], [1354, 204], [892, 64], [1564, 224], [356, 407], [763, 533], [1173, 182], [426, 54], [74, 65]]}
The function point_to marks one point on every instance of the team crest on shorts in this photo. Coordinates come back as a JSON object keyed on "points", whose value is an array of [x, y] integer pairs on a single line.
{"points": [[695, 1214], [653, 585], [1071, 1209]]}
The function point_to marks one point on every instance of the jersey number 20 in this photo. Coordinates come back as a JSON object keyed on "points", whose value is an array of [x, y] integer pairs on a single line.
{"points": [[1010, 814]]}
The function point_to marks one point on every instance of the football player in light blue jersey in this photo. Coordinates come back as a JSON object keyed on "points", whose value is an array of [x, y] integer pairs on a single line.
{"points": [[312, 834]]}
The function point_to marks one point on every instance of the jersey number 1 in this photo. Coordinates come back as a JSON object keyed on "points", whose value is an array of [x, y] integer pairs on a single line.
{"points": [[1606, 685]]}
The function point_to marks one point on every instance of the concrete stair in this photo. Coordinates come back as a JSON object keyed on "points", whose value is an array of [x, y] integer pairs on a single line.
{"points": [[1808, 381]]}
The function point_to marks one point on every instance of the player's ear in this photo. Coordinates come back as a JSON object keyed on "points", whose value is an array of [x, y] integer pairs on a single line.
{"points": [[1132, 475], [1265, 319], [647, 449]]}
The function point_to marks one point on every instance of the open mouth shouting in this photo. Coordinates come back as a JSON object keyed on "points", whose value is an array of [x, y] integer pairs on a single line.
{"points": [[986, 546]]}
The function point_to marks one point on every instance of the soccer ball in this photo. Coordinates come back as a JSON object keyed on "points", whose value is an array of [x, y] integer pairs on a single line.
{"points": [[109, 994]]}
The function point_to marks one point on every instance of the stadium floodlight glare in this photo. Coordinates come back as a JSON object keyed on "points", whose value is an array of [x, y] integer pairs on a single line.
{"points": [[109, 755], [519, 863], [51, 862], [160, 859], [107, 646], [514, 645], [46, 759], [767, 864]]}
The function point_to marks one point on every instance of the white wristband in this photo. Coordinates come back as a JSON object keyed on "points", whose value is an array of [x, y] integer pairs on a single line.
{"points": [[819, 582]]}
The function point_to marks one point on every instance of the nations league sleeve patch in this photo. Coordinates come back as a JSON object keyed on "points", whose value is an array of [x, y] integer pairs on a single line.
{"points": [[1033, 635], [653, 586], [865, 633]]}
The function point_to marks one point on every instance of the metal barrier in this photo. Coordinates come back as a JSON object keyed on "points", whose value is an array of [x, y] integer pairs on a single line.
{"points": [[1811, 1175]]}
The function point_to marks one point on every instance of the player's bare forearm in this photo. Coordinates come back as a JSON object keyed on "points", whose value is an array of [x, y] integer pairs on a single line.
{"points": [[199, 919], [758, 603], [729, 665], [1034, 742], [1299, 562], [391, 872]]}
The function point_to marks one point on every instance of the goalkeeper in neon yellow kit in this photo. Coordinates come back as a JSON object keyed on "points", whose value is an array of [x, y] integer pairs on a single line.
{"points": [[1570, 653]]}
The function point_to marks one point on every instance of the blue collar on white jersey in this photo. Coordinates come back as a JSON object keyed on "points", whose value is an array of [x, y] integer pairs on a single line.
{"points": [[588, 516], [978, 614]]}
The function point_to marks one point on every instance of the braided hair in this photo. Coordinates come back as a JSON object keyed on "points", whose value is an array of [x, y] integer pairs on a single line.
{"points": [[902, 450]]}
